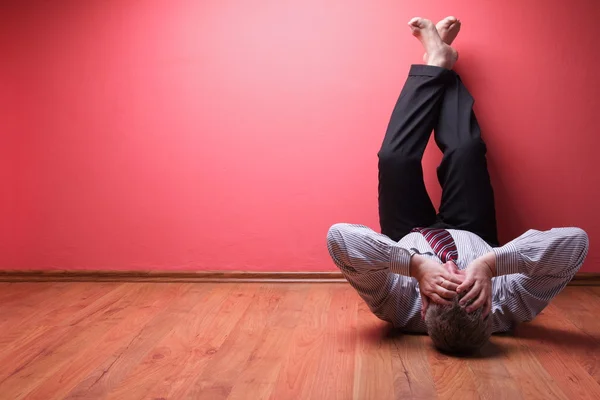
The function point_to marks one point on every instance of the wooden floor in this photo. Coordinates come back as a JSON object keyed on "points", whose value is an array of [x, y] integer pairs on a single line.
{"points": [[277, 341]]}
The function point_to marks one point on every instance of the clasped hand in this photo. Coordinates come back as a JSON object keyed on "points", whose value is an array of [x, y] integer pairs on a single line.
{"points": [[440, 283], [478, 285]]}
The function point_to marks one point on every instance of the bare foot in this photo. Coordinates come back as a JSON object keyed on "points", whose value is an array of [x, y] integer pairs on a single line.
{"points": [[448, 29], [439, 53]]}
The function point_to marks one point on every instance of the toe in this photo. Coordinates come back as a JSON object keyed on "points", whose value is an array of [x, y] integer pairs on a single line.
{"points": [[455, 24], [416, 22], [446, 23]]}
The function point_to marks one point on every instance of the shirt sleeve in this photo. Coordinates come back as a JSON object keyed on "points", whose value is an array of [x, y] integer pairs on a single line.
{"points": [[558, 252], [372, 263], [534, 268]]}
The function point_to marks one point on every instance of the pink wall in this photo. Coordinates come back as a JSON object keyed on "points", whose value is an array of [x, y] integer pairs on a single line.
{"points": [[10, 241], [184, 134], [11, 223]]}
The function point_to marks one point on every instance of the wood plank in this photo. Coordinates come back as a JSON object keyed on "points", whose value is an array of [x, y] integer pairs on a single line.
{"points": [[532, 379], [580, 306], [53, 348], [272, 341], [594, 291], [111, 372], [216, 380], [335, 365], [492, 378], [199, 343], [21, 319], [22, 315], [151, 367], [373, 374], [178, 349], [259, 377], [412, 372], [26, 344], [298, 373], [19, 292], [552, 325], [556, 358], [104, 343], [30, 298], [171, 351], [452, 376]]}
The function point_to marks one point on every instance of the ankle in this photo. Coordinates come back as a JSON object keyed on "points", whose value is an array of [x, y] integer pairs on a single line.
{"points": [[444, 57], [437, 61]]}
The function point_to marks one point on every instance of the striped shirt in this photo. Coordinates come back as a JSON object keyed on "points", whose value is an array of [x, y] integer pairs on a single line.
{"points": [[531, 270]]}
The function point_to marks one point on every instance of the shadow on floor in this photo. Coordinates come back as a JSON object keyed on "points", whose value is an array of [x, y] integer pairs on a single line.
{"points": [[385, 333], [564, 338], [533, 331]]}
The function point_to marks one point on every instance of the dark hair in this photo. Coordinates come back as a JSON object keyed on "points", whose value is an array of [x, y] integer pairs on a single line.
{"points": [[454, 330]]}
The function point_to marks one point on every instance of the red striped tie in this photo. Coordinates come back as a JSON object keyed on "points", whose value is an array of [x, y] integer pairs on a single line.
{"points": [[441, 242]]}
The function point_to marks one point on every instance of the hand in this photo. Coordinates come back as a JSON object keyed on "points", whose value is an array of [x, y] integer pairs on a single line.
{"points": [[436, 282], [478, 284]]}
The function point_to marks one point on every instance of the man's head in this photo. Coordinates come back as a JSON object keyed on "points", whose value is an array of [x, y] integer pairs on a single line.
{"points": [[454, 330]]}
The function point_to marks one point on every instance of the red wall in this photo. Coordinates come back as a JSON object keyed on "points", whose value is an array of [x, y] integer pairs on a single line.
{"points": [[8, 178], [184, 134]]}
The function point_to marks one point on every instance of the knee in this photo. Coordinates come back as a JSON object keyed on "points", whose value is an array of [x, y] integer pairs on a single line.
{"points": [[394, 160], [473, 148]]}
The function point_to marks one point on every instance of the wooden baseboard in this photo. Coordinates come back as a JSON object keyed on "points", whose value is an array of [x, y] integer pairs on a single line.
{"points": [[581, 279], [586, 279], [168, 276]]}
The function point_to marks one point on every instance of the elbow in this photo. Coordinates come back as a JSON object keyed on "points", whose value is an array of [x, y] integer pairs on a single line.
{"points": [[583, 246], [334, 237], [580, 244], [336, 246], [582, 236]]}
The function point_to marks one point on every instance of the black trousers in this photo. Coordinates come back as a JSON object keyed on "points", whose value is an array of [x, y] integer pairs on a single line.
{"points": [[435, 99]]}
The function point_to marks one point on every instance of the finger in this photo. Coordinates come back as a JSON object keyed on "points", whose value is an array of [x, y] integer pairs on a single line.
{"points": [[471, 294], [437, 299], [481, 299], [487, 308], [445, 293], [454, 278], [449, 285], [446, 284], [424, 305], [465, 285]]}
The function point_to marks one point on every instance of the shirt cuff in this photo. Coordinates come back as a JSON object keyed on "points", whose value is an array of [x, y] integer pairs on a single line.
{"points": [[508, 260], [400, 260]]}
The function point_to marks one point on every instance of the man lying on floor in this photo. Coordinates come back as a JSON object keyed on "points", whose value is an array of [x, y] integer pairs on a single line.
{"points": [[445, 274]]}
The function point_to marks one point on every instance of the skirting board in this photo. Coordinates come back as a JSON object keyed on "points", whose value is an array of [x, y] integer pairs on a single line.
{"points": [[581, 279], [168, 276]]}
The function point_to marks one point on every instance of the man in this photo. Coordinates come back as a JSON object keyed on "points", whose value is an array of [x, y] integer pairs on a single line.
{"points": [[445, 273]]}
